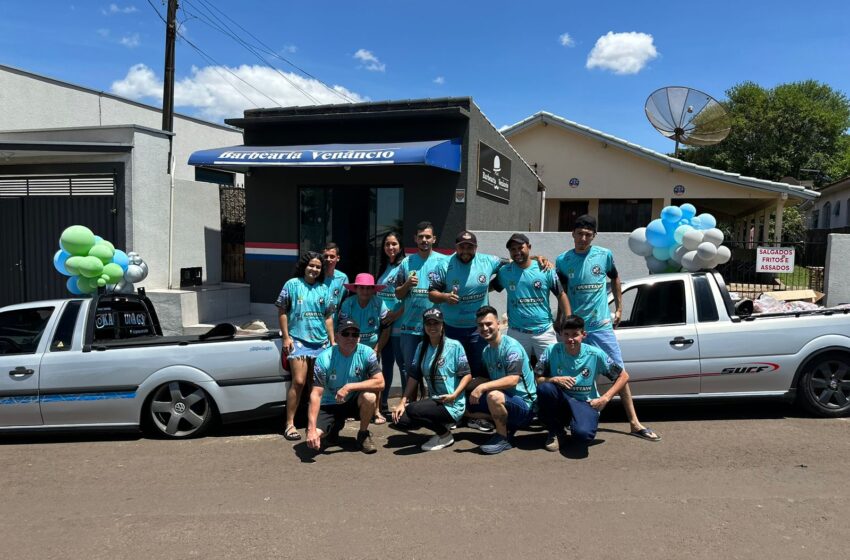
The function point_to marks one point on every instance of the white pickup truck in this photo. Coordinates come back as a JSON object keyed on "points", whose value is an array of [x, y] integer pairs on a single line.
{"points": [[103, 362], [682, 338]]}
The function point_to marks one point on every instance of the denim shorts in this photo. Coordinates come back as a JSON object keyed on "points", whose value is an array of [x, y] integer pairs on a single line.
{"points": [[606, 341], [305, 349]]}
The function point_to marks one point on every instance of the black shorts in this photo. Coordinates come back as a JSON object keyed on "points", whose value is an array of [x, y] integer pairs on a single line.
{"points": [[333, 416]]}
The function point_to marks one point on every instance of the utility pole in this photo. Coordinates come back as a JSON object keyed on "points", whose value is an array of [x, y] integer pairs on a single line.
{"points": [[168, 87]]}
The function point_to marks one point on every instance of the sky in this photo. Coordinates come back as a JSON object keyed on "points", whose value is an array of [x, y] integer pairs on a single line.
{"points": [[590, 62]]}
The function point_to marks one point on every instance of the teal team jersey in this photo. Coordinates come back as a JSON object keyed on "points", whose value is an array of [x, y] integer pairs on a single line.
{"points": [[471, 281], [336, 287], [417, 300], [510, 359], [585, 278], [306, 307], [590, 362], [367, 318], [333, 370], [451, 368], [528, 292], [388, 293]]}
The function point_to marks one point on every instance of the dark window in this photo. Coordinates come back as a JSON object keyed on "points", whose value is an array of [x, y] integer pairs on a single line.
{"points": [[213, 176], [662, 303], [21, 329], [827, 213], [624, 215], [706, 306], [837, 207], [815, 219], [120, 320], [569, 211], [64, 335]]}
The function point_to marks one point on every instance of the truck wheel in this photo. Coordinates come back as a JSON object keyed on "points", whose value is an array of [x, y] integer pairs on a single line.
{"points": [[824, 386], [180, 409]]}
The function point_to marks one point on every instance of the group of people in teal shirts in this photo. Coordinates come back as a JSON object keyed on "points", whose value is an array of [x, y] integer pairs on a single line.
{"points": [[429, 315]]}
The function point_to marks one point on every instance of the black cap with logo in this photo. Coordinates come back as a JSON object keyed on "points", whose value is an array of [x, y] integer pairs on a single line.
{"points": [[517, 238], [433, 314], [466, 237]]}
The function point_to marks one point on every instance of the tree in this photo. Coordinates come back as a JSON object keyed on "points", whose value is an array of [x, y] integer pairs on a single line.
{"points": [[780, 131]]}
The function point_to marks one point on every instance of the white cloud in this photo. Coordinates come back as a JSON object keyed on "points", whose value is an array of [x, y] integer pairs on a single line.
{"points": [[130, 41], [370, 61], [116, 9], [566, 40], [622, 53], [209, 92], [439, 80]]}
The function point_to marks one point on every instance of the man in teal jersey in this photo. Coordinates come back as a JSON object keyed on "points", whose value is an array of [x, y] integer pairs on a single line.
{"points": [[347, 380], [334, 279], [566, 385], [461, 285], [413, 279], [508, 398], [529, 286], [583, 272]]}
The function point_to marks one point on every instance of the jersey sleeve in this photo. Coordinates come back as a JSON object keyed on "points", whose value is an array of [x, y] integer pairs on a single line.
{"points": [[497, 284], [514, 361], [610, 269], [560, 272], [413, 370], [401, 273], [320, 369], [372, 366], [383, 310], [461, 362], [438, 277], [284, 299], [608, 367], [554, 283], [542, 368]]}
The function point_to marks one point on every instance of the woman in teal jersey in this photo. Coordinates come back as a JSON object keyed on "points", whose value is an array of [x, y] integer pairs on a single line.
{"points": [[441, 363], [306, 323], [391, 352]]}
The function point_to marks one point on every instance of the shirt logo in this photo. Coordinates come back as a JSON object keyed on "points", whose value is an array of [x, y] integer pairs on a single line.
{"points": [[512, 287], [441, 362], [512, 357], [538, 284], [482, 279], [321, 301], [584, 372], [336, 292], [432, 276], [597, 270], [371, 321]]}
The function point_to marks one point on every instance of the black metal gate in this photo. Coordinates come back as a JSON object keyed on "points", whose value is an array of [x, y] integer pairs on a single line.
{"points": [[740, 272], [33, 212], [232, 202]]}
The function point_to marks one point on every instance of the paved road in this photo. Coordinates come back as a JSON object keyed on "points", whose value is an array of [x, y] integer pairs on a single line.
{"points": [[726, 482]]}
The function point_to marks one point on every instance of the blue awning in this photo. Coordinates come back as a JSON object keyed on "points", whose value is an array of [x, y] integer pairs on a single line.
{"points": [[444, 154]]}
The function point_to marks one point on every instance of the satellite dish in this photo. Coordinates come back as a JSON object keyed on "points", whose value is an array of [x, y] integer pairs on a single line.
{"points": [[688, 116]]}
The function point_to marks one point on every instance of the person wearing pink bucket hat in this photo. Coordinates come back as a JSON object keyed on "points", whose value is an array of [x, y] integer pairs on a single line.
{"points": [[369, 312]]}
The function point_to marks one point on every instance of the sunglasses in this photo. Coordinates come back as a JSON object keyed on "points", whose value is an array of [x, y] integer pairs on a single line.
{"points": [[431, 323], [350, 334]]}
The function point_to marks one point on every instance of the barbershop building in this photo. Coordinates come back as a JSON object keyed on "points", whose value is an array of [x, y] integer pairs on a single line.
{"points": [[350, 173]]}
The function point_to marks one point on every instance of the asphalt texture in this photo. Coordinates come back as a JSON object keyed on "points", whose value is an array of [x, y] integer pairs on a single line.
{"points": [[727, 481]]}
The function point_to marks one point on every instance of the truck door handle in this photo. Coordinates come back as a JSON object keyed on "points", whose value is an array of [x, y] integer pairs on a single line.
{"points": [[681, 340], [21, 371]]}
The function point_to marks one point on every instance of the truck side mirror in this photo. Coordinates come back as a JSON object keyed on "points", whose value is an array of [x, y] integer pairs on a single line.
{"points": [[744, 308]]}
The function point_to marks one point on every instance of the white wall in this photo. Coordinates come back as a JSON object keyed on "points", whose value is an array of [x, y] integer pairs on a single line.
{"points": [[839, 196], [837, 270]]}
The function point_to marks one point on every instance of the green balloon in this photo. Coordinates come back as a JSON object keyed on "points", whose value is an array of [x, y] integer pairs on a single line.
{"points": [[102, 252], [107, 243], [90, 267], [93, 283], [101, 282], [83, 285], [77, 240], [113, 272], [72, 265]]}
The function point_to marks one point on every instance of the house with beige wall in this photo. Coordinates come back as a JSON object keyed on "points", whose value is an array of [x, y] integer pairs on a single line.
{"points": [[626, 185], [832, 210]]}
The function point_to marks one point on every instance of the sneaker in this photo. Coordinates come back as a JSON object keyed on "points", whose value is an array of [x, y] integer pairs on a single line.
{"points": [[481, 425], [437, 442], [364, 441], [451, 426], [496, 444], [552, 443]]}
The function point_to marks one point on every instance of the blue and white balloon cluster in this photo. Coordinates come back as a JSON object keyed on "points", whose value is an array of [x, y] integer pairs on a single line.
{"points": [[680, 239]]}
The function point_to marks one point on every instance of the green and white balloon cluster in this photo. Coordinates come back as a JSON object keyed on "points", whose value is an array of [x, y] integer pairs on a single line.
{"points": [[92, 262], [680, 239]]}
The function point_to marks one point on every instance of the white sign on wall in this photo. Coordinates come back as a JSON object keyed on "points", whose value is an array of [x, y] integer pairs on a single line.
{"points": [[775, 259]]}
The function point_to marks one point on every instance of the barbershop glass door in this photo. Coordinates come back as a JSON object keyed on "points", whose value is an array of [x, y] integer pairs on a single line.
{"points": [[355, 218]]}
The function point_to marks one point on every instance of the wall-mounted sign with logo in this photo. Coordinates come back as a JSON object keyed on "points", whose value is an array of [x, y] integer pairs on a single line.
{"points": [[460, 196], [574, 182], [494, 172], [679, 190]]}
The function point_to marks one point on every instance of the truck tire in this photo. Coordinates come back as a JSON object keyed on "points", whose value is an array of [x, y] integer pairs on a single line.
{"points": [[179, 410], [824, 385]]}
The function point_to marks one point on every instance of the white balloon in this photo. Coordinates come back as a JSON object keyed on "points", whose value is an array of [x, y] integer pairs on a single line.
{"points": [[690, 261], [655, 266], [677, 253], [124, 287], [706, 251], [134, 273], [638, 243], [144, 266], [713, 236], [692, 239], [723, 255]]}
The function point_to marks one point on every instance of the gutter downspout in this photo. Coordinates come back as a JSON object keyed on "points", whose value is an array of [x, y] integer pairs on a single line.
{"points": [[171, 219]]}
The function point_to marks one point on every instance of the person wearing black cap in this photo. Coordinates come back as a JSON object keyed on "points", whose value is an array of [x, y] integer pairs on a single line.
{"points": [[441, 363], [347, 380], [529, 286], [583, 271], [461, 285]]}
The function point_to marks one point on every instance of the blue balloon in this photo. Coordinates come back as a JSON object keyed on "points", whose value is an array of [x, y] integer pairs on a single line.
{"points": [[680, 232], [688, 210], [97, 239], [59, 261], [121, 259], [656, 234], [707, 220], [697, 223], [71, 284], [671, 214]]}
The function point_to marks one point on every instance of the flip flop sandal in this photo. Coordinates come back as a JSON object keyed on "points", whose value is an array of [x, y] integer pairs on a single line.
{"points": [[379, 420], [646, 434], [291, 434]]}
